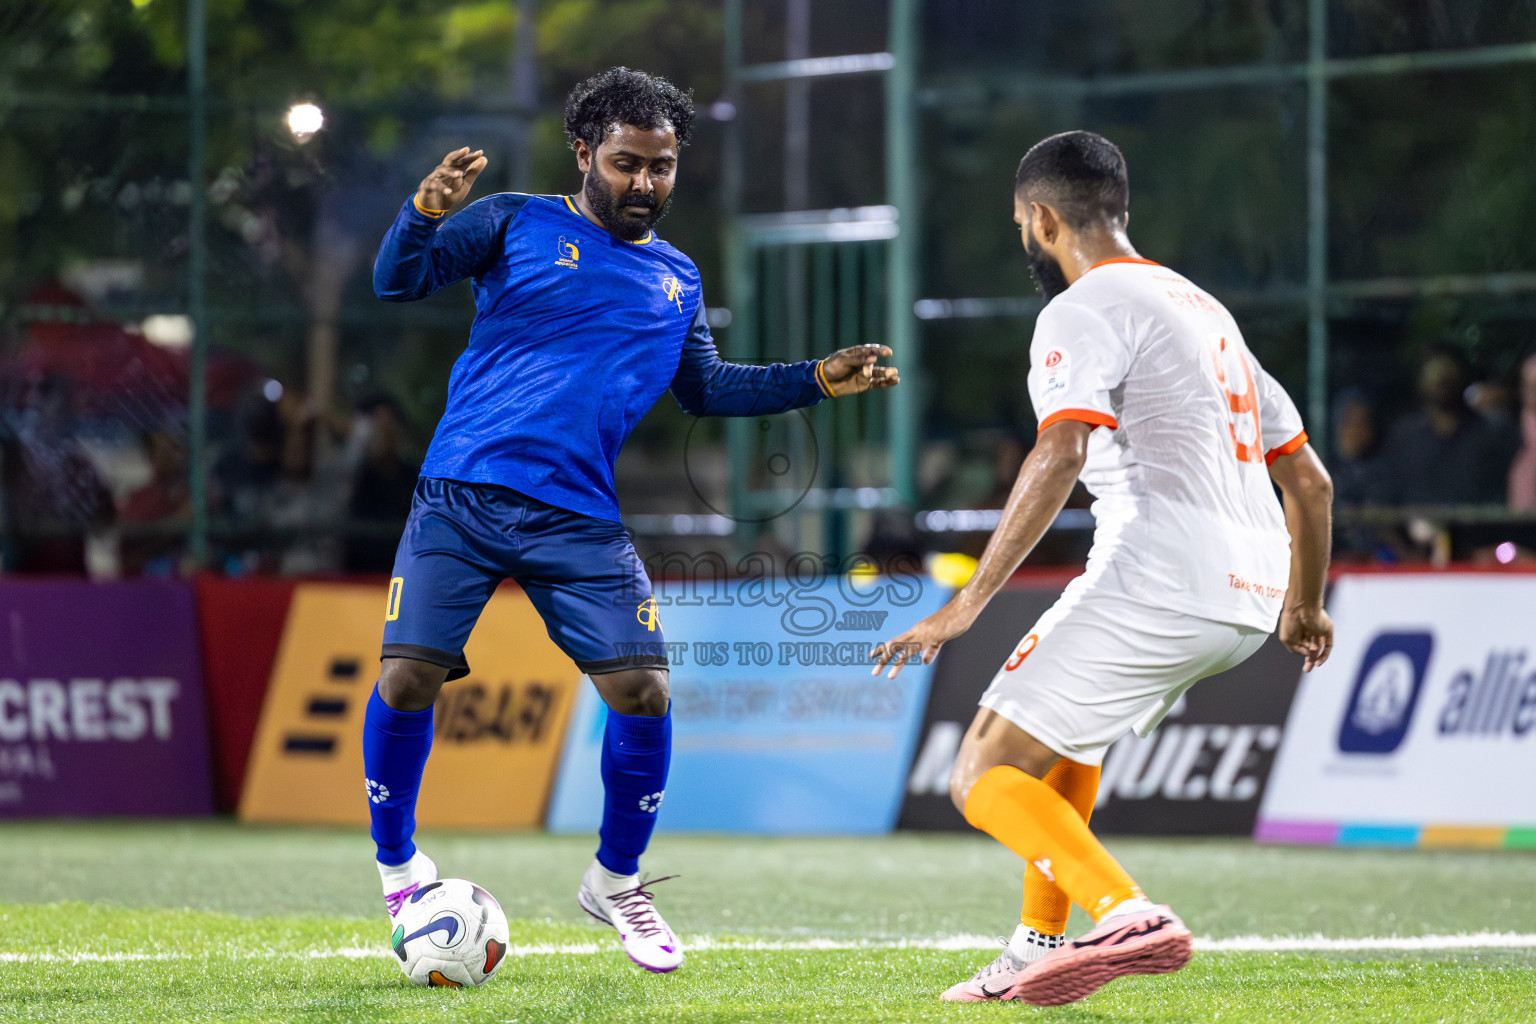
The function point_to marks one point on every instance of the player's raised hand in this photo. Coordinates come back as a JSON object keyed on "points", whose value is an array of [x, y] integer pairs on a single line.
{"points": [[850, 371], [923, 640], [1307, 631], [451, 180]]}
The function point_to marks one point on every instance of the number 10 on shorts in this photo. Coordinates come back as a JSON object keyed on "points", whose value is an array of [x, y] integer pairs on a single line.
{"points": [[392, 606]]}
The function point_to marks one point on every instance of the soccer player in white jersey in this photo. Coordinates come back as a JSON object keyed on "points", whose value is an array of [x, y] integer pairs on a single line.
{"points": [[1145, 391]]}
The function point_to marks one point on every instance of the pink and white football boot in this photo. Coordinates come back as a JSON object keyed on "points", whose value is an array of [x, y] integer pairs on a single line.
{"points": [[993, 981], [1151, 941], [624, 903], [401, 880]]}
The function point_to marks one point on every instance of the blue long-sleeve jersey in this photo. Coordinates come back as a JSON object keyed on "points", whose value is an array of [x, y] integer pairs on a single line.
{"points": [[576, 335]]}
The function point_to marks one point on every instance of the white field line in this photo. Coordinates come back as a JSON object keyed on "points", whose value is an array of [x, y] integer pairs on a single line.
{"points": [[1233, 944]]}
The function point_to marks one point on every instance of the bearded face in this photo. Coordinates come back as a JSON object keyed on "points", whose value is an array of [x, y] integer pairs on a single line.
{"points": [[1046, 270]]}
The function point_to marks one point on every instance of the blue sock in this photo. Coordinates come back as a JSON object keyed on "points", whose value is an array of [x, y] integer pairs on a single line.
{"points": [[636, 754], [395, 748]]}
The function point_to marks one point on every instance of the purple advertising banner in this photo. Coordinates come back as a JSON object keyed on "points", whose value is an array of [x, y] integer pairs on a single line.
{"points": [[101, 700]]}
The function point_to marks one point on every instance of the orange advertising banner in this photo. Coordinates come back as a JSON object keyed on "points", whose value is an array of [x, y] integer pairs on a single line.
{"points": [[497, 732]]}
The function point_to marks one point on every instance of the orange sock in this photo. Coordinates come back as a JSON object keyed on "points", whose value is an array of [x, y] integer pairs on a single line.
{"points": [[1028, 817], [1045, 906]]}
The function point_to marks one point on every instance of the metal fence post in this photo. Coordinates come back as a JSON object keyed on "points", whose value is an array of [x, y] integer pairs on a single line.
{"points": [[901, 254], [197, 270], [1317, 225]]}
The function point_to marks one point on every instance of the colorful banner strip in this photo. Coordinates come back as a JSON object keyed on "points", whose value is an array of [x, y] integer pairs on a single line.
{"points": [[1316, 833]]}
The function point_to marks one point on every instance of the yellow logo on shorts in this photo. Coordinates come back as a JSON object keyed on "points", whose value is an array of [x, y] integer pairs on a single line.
{"points": [[646, 614], [392, 606]]}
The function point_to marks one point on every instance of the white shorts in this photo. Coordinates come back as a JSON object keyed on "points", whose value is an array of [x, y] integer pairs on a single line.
{"points": [[1099, 664]]}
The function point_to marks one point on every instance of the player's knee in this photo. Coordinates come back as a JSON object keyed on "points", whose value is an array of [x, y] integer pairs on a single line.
{"points": [[961, 779], [406, 684], [642, 692]]}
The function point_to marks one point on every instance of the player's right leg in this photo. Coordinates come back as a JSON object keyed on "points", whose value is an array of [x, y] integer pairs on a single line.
{"points": [[444, 573]]}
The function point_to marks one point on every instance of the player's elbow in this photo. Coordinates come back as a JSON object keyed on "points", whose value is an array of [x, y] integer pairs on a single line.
{"points": [[1063, 447], [1303, 478], [692, 403], [388, 286], [389, 292]]}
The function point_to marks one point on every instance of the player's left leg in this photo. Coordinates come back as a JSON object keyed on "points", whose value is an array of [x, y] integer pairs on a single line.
{"points": [[1094, 666], [998, 785], [583, 576], [637, 754], [1043, 918]]}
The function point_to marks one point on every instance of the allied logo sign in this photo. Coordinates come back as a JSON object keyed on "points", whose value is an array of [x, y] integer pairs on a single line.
{"points": [[568, 252], [1385, 693], [1419, 729]]}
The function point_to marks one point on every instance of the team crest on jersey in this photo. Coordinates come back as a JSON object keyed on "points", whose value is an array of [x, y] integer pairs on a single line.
{"points": [[569, 252], [674, 289], [1057, 372]]}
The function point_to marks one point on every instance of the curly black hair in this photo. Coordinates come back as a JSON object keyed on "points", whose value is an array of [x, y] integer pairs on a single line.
{"points": [[622, 96]]}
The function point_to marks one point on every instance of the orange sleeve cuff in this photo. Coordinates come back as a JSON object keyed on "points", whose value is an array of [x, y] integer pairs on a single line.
{"points": [[1290, 446], [416, 201], [1097, 419]]}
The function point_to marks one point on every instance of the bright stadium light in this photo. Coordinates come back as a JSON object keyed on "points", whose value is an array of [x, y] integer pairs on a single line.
{"points": [[304, 119]]}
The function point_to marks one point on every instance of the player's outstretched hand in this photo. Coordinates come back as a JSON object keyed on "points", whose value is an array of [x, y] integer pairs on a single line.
{"points": [[922, 640], [850, 371], [451, 180], [1307, 632]]}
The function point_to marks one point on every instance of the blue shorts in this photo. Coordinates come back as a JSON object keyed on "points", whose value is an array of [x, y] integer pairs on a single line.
{"points": [[582, 574]]}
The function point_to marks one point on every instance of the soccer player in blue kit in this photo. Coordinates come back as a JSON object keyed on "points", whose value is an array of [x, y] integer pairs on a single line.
{"points": [[584, 317]]}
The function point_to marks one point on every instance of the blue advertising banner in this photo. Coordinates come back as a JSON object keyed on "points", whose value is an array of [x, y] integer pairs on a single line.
{"points": [[778, 725]]}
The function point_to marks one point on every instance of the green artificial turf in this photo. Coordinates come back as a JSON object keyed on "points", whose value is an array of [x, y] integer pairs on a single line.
{"points": [[219, 922]]}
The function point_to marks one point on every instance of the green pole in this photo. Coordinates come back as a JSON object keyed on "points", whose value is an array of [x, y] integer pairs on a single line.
{"points": [[1317, 225], [197, 268], [740, 342], [901, 253]]}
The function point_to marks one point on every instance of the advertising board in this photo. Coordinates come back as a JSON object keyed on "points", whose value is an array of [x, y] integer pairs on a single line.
{"points": [[497, 731], [1201, 772], [778, 725], [1421, 728], [101, 700]]}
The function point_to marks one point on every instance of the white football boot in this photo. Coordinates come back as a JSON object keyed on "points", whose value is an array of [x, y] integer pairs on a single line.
{"points": [[623, 902], [402, 880]]}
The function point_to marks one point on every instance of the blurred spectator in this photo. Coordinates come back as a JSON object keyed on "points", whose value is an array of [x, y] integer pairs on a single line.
{"points": [[1522, 471], [167, 500], [1446, 454], [246, 475], [54, 495], [382, 486], [306, 505], [1360, 474]]}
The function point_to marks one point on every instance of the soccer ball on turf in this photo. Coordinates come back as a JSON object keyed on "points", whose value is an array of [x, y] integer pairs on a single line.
{"points": [[450, 933]]}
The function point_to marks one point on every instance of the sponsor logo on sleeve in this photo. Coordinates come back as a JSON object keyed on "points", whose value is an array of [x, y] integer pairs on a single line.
{"points": [[1058, 372]]}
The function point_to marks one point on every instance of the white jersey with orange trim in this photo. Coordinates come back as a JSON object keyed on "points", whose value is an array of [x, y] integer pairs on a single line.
{"points": [[1187, 517]]}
